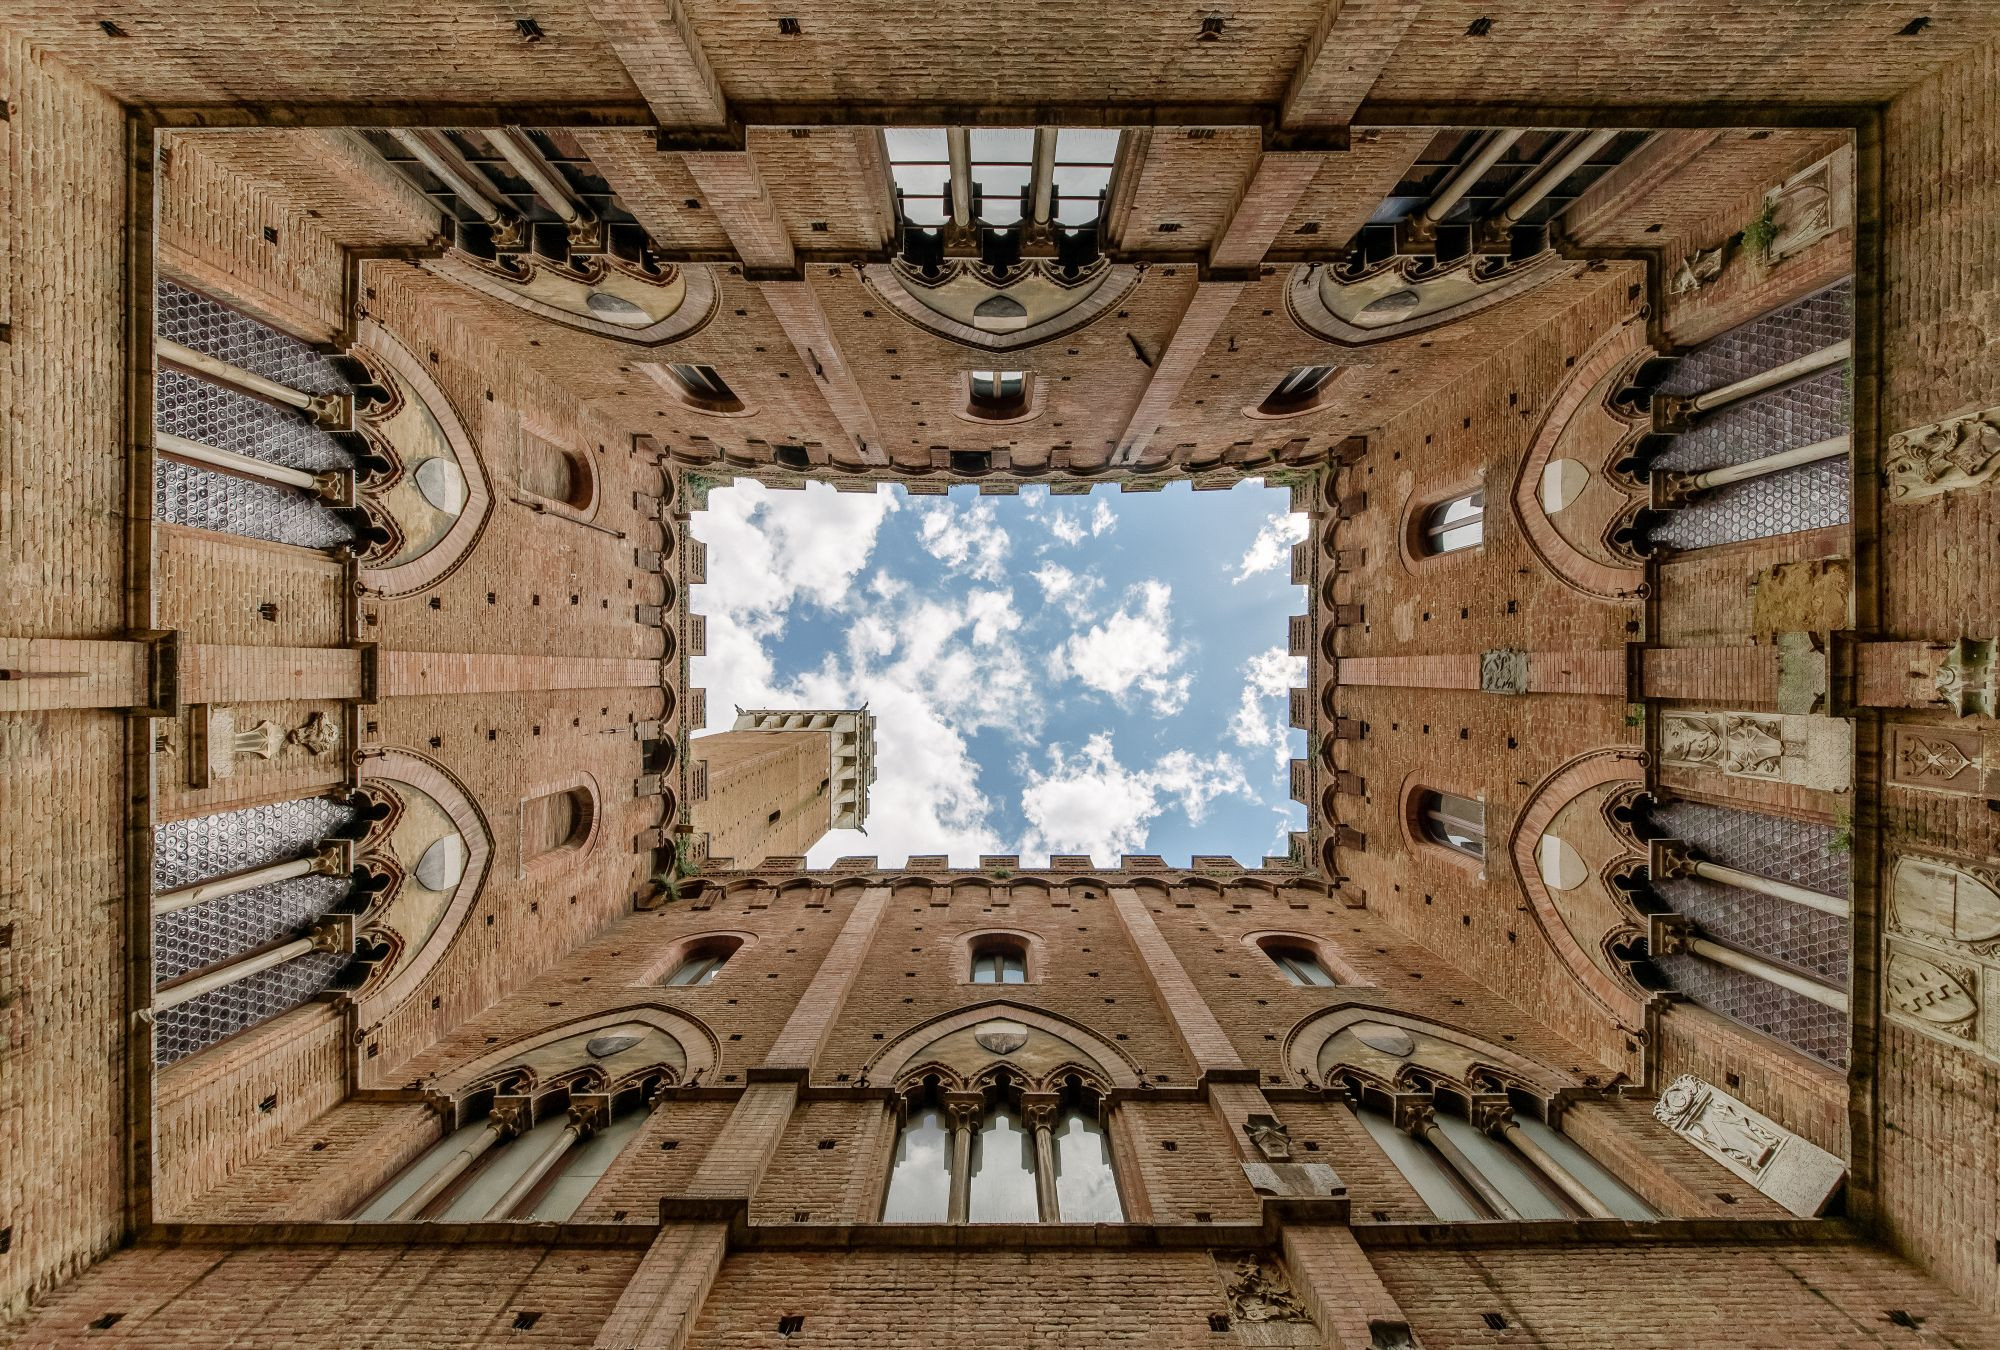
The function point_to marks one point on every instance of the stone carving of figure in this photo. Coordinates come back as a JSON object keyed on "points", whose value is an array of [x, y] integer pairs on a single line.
{"points": [[1690, 738], [1260, 1294], [1754, 745], [1691, 1107], [1270, 1137]]}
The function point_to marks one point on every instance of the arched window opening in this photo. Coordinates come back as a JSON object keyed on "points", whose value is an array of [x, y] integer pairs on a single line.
{"points": [[1007, 1154], [704, 388], [503, 1166], [555, 820], [997, 395], [1489, 1163], [1301, 390], [1301, 965], [1458, 823], [702, 963], [554, 474], [999, 961], [1456, 523]]}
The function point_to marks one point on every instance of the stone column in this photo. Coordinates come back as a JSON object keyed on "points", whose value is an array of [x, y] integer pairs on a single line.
{"points": [[1418, 1117], [1497, 1118], [1671, 858], [332, 933], [333, 859], [964, 1110], [587, 1115], [1674, 935], [1038, 1113], [507, 1118]]}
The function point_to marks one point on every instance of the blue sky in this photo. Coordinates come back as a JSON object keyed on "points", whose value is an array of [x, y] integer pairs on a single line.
{"points": [[1101, 674]]}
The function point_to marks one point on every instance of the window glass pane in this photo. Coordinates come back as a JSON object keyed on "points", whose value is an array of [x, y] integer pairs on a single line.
{"points": [[1504, 1168], [925, 210], [585, 1167], [906, 143], [1013, 970], [920, 1179], [417, 1173], [986, 969], [1457, 537], [1081, 180], [922, 180], [696, 970], [1602, 1184], [1090, 145], [1086, 1190], [1003, 145], [501, 1168], [1421, 1168], [1003, 1171]]}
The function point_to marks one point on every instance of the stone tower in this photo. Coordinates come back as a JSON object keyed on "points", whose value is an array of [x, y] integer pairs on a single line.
{"points": [[780, 778]]}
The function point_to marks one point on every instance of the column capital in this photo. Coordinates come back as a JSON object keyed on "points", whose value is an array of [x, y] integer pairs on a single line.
{"points": [[1038, 1109], [1670, 859], [964, 1109]]}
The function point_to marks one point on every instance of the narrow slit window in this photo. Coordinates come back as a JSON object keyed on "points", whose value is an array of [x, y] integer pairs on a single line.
{"points": [[1455, 524]]}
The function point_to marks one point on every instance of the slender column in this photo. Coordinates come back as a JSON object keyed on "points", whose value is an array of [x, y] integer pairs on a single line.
{"points": [[333, 933], [1420, 1119], [329, 410], [332, 860], [1471, 172], [1677, 489], [1038, 1112], [515, 147], [587, 1115], [958, 145], [963, 1110], [466, 182], [1550, 177], [332, 484], [1677, 412], [1045, 174], [1545, 1162], [1735, 959], [1671, 858], [502, 1122]]}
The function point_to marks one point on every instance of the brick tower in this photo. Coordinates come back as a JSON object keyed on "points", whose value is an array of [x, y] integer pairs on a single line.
{"points": [[780, 778]]}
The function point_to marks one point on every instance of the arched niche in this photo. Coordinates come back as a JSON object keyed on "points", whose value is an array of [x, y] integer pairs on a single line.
{"points": [[439, 881], [1393, 1049], [434, 499], [601, 294], [619, 1046], [1569, 495], [1404, 294], [1581, 922], [972, 1040]]}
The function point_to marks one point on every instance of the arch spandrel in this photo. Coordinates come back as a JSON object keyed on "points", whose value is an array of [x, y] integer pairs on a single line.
{"points": [[972, 1040], [1385, 1045], [660, 1037]]}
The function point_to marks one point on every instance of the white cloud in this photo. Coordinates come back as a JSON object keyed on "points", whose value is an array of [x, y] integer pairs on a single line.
{"points": [[1101, 518], [1090, 803], [969, 540], [1269, 674], [1062, 586], [1072, 527], [1272, 548], [1133, 649], [1066, 528]]}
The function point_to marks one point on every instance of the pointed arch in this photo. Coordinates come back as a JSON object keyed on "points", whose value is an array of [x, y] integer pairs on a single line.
{"points": [[917, 1045], [1439, 1051]]}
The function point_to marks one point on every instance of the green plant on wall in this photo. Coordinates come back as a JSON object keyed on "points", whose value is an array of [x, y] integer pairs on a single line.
{"points": [[1761, 233], [1843, 833]]}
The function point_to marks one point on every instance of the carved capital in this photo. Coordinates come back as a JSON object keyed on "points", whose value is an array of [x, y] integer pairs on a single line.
{"points": [[964, 1109], [1670, 859], [1490, 1112], [1669, 491], [1414, 1112], [1968, 678], [1038, 1110], [1669, 935], [334, 412], [589, 1112], [514, 1115], [333, 933], [334, 858]]}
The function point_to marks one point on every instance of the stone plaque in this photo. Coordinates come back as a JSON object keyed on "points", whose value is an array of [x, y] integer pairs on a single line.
{"points": [[1503, 671], [1799, 1175], [1814, 752], [1943, 972], [1001, 1036], [1938, 759], [1389, 1040]]}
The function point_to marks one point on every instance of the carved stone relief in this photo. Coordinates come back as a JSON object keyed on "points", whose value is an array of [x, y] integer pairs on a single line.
{"points": [[1805, 750], [317, 735], [1810, 205], [1968, 679], [1697, 270], [1955, 452], [1259, 1291], [1503, 671], [1270, 1137], [1943, 972], [1799, 1175], [1939, 759]]}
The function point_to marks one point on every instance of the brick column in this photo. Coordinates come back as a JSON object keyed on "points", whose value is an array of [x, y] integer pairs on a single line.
{"points": [[413, 673], [49, 673], [659, 1306], [736, 1162], [1341, 1289], [1202, 320]]}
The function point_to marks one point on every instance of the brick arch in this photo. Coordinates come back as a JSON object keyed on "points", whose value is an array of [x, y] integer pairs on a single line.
{"points": [[893, 1060], [1307, 1039], [1586, 389], [699, 1044], [387, 768], [1557, 789]]}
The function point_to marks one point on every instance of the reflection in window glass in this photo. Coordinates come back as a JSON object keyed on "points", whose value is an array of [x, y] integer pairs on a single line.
{"points": [[1003, 1171], [920, 1180], [1459, 823], [698, 969], [1300, 966], [999, 965], [1452, 525], [1086, 1189]]}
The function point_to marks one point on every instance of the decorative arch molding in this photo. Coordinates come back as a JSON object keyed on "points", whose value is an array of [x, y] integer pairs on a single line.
{"points": [[1430, 1043], [1590, 391], [1410, 293], [663, 306], [397, 979], [1621, 999], [700, 1046], [1051, 305], [409, 503], [908, 1050]]}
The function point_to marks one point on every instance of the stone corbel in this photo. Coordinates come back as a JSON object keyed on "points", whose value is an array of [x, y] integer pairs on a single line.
{"points": [[216, 742], [1669, 859], [1968, 678], [589, 1112]]}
